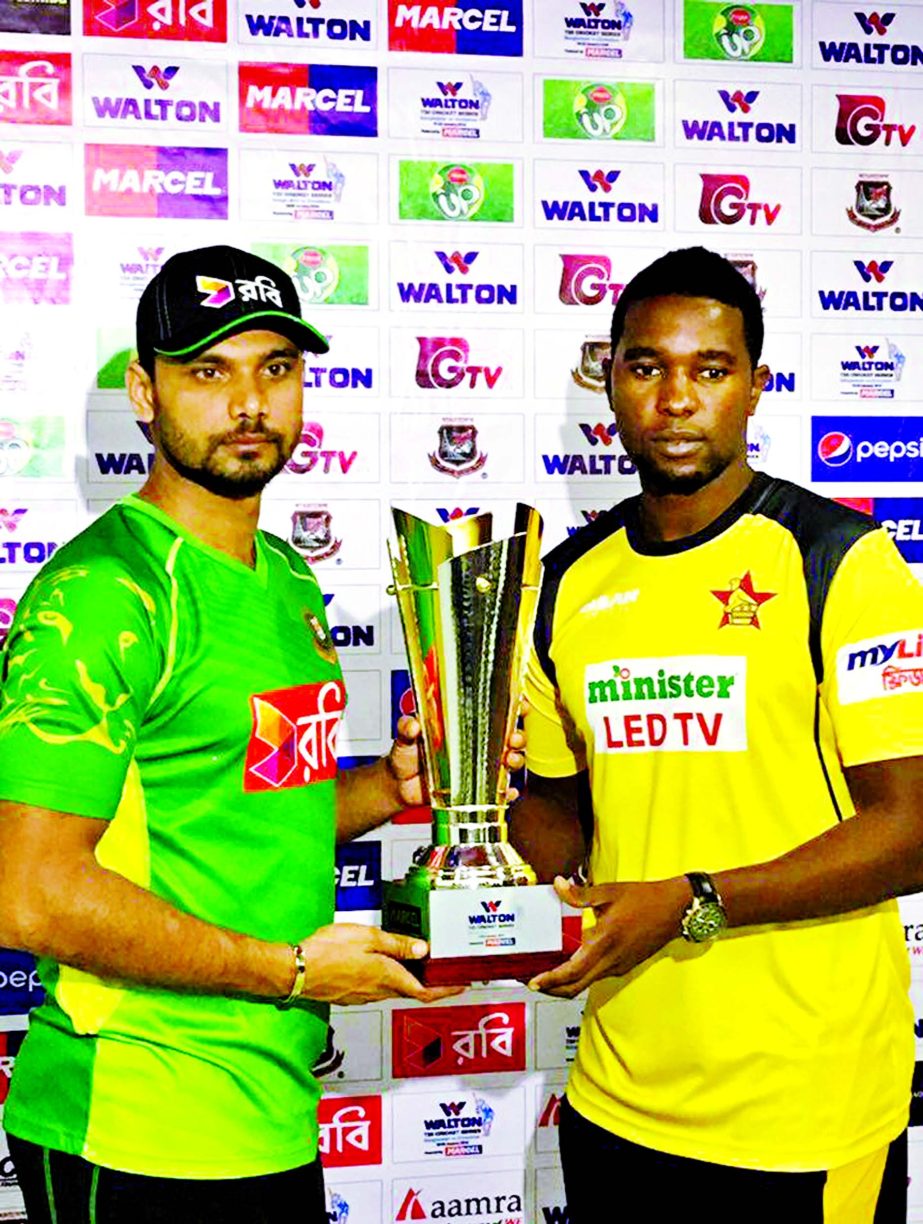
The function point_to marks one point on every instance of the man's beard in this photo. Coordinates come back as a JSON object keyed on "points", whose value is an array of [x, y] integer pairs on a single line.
{"points": [[249, 478], [664, 483]]}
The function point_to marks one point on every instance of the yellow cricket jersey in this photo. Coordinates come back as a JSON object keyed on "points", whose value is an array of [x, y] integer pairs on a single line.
{"points": [[715, 688]]}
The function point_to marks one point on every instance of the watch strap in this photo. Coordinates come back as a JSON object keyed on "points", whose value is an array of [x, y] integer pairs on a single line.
{"points": [[703, 887]]}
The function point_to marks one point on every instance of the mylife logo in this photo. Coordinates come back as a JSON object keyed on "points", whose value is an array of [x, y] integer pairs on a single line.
{"points": [[586, 280], [874, 23], [161, 77], [738, 100], [873, 271], [725, 200], [599, 180], [443, 364], [293, 738], [861, 121], [880, 667], [199, 21]]}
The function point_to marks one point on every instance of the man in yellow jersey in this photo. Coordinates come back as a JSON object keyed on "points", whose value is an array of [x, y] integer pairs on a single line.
{"points": [[169, 801], [727, 711]]}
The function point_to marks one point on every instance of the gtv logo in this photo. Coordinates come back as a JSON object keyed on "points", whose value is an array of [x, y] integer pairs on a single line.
{"points": [[725, 200], [861, 121], [586, 280], [443, 364]]}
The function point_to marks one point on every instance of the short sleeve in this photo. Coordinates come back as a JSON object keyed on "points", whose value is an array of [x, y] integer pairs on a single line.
{"points": [[872, 645], [80, 666], [553, 748]]}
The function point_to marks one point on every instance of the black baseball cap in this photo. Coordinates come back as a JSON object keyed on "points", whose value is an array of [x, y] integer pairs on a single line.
{"points": [[201, 297]]}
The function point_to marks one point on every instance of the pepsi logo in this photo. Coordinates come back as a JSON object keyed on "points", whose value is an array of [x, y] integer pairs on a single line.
{"points": [[835, 448]]}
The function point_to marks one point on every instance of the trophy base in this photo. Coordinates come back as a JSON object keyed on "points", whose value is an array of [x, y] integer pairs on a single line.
{"points": [[478, 934], [470, 970]]}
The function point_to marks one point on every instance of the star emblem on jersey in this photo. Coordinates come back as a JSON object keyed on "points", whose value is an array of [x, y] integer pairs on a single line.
{"points": [[742, 602]]}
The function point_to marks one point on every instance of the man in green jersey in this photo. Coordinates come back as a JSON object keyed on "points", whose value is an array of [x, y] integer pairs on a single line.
{"points": [[169, 800]]}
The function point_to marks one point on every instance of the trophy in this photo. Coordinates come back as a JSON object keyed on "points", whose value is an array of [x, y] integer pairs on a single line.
{"points": [[467, 604]]}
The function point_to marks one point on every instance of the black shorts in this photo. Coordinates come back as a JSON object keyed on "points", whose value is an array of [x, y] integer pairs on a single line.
{"points": [[608, 1179], [62, 1189]]}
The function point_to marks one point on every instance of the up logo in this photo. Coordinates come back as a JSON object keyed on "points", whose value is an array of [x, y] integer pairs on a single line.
{"points": [[739, 31], [601, 111], [457, 191]]}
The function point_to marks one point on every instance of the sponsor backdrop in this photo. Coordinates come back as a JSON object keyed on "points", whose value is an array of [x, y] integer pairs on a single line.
{"points": [[461, 191]]}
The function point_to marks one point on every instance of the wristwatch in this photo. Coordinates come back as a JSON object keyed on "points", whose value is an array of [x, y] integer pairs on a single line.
{"points": [[704, 916]]}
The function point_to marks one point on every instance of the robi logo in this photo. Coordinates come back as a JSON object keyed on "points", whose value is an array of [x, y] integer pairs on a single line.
{"points": [[860, 121], [739, 101], [442, 364], [726, 200], [586, 280], [294, 735], [600, 180], [835, 448], [874, 23]]}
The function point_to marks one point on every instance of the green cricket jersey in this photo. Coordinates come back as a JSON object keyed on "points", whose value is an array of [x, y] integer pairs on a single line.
{"points": [[155, 682]]}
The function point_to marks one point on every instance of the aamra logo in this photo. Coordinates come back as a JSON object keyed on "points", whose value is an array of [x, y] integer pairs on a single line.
{"points": [[161, 77], [741, 602], [411, 1208], [457, 191], [294, 734], [861, 121], [551, 1111], [725, 200], [217, 292]]}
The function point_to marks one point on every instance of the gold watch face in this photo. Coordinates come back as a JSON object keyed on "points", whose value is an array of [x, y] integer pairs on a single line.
{"points": [[704, 921]]}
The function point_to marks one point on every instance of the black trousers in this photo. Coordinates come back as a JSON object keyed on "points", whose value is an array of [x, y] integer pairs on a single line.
{"points": [[609, 1180], [62, 1189]]}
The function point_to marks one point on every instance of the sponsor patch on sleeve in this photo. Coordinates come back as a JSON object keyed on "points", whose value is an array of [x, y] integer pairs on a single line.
{"points": [[880, 666]]}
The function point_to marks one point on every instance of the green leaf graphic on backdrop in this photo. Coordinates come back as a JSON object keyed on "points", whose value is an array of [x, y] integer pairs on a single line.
{"points": [[115, 348], [327, 275], [598, 110], [455, 191], [735, 32], [31, 446]]}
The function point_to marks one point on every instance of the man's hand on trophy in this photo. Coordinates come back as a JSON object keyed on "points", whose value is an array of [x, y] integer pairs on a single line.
{"points": [[405, 761], [349, 963], [630, 922]]}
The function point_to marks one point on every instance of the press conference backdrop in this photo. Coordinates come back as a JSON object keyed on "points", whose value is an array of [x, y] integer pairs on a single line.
{"points": [[461, 191]]}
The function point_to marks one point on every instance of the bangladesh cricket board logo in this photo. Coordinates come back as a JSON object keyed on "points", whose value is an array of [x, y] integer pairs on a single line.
{"points": [[455, 191]]}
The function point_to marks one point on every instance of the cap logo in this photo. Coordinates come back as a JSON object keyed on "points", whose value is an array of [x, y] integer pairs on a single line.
{"points": [[218, 292]]}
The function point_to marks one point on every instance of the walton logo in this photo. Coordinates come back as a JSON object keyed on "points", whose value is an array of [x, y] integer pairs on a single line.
{"points": [[217, 292], [586, 280], [294, 734], [442, 364], [872, 23], [599, 180], [592, 10], [873, 270], [456, 513], [456, 262], [10, 518], [449, 89], [867, 351], [726, 201], [336, 29], [452, 1109], [9, 160], [861, 121], [490, 907], [739, 101], [161, 77], [599, 432]]}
